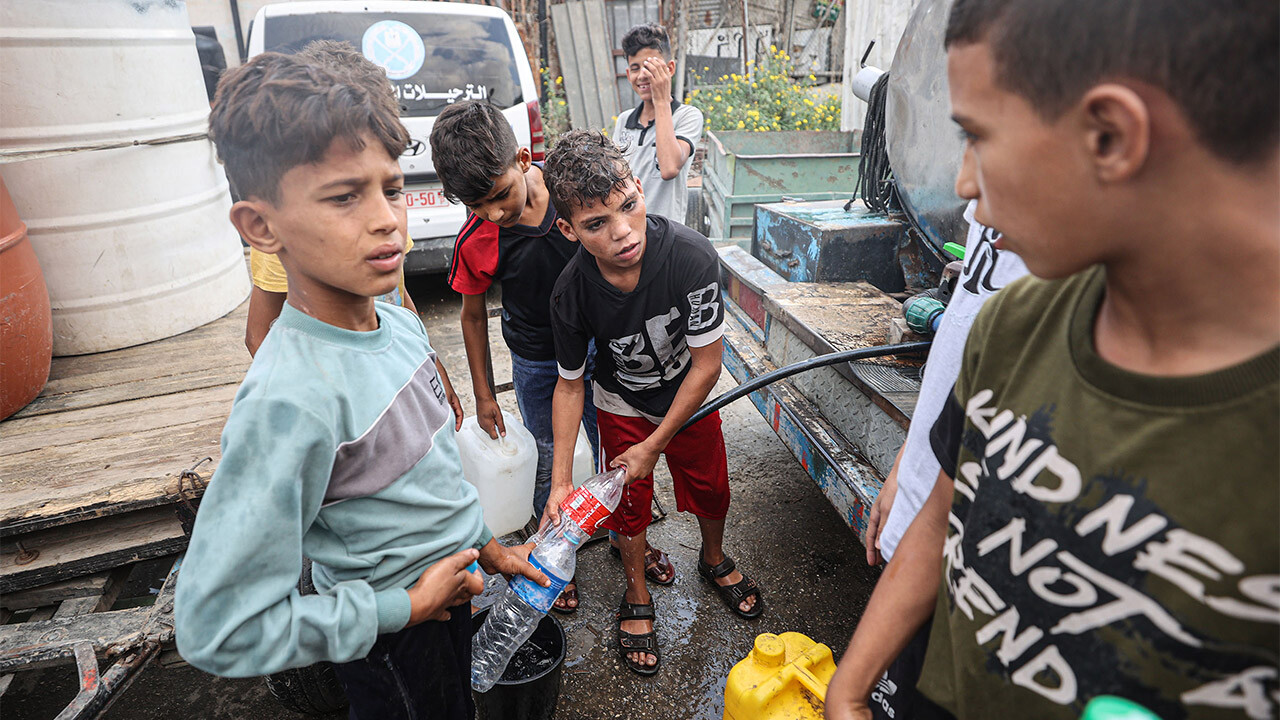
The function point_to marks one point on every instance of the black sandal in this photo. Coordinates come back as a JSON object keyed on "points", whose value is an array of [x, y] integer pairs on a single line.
{"points": [[732, 595], [643, 643]]}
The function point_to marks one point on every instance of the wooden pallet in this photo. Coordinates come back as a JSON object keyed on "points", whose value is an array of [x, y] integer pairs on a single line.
{"points": [[45, 636]]}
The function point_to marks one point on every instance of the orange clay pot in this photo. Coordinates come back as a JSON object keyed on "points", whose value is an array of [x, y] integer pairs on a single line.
{"points": [[26, 323]]}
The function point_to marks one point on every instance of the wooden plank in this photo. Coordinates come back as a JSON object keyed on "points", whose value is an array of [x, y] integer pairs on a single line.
{"points": [[54, 593], [586, 60], [601, 63], [32, 645], [575, 93], [89, 547], [135, 390], [107, 460], [102, 600], [218, 346], [229, 327], [42, 614], [117, 420], [76, 606]]}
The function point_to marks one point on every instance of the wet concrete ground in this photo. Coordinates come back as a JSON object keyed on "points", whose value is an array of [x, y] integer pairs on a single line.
{"points": [[780, 530]]}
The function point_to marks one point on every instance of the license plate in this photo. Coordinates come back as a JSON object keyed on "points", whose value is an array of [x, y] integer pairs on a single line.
{"points": [[425, 199]]}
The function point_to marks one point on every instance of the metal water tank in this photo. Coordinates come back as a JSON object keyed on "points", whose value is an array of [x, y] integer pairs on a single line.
{"points": [[104, 148]]}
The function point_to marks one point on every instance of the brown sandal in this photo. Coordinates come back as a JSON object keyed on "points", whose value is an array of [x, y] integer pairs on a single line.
{"points": [[570, 592], [655, 562]]}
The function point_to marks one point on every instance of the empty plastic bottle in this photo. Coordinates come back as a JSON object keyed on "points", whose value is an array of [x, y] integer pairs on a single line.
{"points": [[513, 618]]}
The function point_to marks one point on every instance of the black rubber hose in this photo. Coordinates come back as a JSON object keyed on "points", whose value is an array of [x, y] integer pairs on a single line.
{"points": [[814, 362]]}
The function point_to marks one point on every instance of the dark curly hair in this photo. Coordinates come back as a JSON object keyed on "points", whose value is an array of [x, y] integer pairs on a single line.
{"points": [[472, 145], [584, 166], [649, 35], [277, 112]]}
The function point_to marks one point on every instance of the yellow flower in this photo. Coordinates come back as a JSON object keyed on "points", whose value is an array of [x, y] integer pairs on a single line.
{"points": [[559, 79], [615, 117], [741, 124], [705, 68], [753, 84], [773, 48], [749, 62], [734, 76], [729, 109], [561, 102], [808, 102], [811, 77], [717, 97], [828, 118]]}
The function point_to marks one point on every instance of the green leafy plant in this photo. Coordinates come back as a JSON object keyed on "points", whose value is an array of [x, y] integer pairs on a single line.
{"points": [[767, 98], [555, 113]]}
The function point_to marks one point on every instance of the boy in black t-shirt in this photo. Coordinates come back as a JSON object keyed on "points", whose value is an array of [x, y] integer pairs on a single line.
{"points": [[647, 291]]}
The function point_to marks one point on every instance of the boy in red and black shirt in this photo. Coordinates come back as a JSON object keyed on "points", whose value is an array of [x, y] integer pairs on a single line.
{"points": [[646, 291], [510, 237]]}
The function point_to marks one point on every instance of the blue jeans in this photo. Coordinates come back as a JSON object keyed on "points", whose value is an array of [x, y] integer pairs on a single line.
{"points": [[535, 384]]}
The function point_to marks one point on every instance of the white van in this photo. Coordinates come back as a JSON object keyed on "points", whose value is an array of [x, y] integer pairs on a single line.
{"points": [[435, 53]]}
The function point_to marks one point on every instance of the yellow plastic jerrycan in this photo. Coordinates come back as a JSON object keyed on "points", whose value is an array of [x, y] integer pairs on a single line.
{"points": [[784, 678]]}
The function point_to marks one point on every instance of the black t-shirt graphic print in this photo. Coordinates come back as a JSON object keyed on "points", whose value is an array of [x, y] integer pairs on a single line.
{"points": [[643, 336]]}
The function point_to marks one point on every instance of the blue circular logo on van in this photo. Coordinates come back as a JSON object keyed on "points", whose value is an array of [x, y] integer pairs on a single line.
{"points": [[396, 47]]}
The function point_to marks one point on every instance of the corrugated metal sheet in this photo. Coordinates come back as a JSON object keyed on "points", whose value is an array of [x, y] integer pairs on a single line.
{"points": [[586, 61]]}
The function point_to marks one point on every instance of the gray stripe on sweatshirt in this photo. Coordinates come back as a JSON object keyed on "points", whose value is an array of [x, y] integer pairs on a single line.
{"points": [[401, 436]]}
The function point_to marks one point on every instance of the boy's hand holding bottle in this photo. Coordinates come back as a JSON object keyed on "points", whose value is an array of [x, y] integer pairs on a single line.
{"points": [[498, 559], [448, 583], [638, 460]]}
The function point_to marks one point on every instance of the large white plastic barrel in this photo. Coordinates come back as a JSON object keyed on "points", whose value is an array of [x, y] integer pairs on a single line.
{"points": [[502, 470], [103, 146]]}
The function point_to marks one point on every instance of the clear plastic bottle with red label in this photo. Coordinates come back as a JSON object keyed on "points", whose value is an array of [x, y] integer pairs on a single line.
{"points": [[514, 617]]}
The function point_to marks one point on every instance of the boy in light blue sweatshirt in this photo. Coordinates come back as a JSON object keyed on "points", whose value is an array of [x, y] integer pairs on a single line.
{"points": [[340, 445]]}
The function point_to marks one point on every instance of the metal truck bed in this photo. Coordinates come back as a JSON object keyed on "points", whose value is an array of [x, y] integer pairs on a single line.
{"points": [[843, 423]]}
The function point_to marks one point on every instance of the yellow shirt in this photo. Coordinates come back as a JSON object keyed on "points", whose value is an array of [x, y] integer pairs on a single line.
{"points": [[268, 274]]}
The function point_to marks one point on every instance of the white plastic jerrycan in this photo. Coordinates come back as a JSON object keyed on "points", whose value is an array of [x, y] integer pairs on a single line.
{"points": [[502, 471], [584, 466]]}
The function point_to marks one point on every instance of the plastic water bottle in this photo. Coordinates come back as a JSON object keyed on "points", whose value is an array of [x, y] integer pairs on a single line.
{"points": [[513, 618]]}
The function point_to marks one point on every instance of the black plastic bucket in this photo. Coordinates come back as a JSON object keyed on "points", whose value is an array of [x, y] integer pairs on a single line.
{"points": [[530, 698]]}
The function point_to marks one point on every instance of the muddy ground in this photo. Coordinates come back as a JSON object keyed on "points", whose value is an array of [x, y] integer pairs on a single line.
{"points": [[781, 530]]}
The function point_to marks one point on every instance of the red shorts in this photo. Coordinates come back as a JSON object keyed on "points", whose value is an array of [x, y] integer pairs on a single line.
{"points": [[699, 470]]}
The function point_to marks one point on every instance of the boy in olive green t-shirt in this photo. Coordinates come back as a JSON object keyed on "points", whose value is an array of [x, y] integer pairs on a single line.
{"points": [[1105, 520]]}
